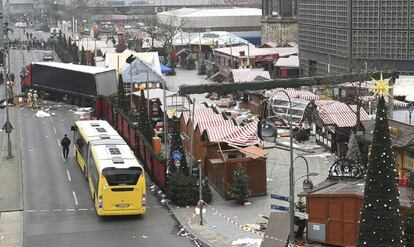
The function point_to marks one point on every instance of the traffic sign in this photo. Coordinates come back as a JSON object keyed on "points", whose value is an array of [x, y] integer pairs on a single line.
{"points": [[278, 207], [279, 197], [176, 155], [302, 215], [7, 127]]}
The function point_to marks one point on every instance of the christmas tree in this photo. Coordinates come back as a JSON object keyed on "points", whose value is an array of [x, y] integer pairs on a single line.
{"points": [[83, 56], [144, 123], [75, 54], [239, 189], [121, 99], [380, 223], [93, 63], [353, 152], [177, 145], [69, 44]]}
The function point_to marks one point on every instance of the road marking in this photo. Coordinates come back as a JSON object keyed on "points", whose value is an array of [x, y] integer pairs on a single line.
{"points": [[57, 210], [69, 178], [63, 158], [51, 120], [58, 142], [83, 209], [74, 197], [54, 129], [31, 210], [70, 209], [44, 210]]}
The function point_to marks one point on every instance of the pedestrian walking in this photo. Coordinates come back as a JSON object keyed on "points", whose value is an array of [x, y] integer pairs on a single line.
{"points": [[65, 145]]}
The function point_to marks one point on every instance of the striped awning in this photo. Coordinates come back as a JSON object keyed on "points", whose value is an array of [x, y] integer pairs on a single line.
{"points": [[307, 95], [397, 103], [220, 130], [339, 114], [234, 135]]}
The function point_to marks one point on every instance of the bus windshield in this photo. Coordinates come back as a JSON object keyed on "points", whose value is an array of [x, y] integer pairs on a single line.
{"points": [[121, 176]]}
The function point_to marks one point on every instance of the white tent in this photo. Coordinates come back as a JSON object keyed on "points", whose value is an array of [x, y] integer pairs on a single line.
{"points": [[140, 71]]}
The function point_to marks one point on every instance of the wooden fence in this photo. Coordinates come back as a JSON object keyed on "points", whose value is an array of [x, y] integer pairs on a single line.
{"points": [[153, 163]]}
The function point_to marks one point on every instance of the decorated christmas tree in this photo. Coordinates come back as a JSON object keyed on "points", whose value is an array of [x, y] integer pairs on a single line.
{"points": [[380, 222], [353, 152], [177, 146], [121, 99], [144, 123], [83, 56]]}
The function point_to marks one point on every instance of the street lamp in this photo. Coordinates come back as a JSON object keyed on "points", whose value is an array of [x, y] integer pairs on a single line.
{"points": [[267, 131], [410, 110]]}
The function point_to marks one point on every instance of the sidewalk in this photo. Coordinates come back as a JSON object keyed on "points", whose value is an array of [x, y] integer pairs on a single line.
{"points": [[224, 220], [11, 194]]}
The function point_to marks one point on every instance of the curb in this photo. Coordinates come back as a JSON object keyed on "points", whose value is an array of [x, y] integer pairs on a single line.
{"points": [[201, 241]]}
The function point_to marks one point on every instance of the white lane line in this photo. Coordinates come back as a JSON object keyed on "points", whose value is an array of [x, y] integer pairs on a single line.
{"points": [[57, 210], [54, 129], [69, 178], [58, 142], [51, 120], [31, 210], [74, 197], [63, 158], [83, 209], [70, 209], [44, 210]]}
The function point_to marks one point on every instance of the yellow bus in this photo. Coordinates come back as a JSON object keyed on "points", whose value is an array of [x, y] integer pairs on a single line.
{"points": [[115, 177]]}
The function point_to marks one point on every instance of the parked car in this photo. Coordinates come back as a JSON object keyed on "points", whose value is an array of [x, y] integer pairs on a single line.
{"points": [[48, 56]]}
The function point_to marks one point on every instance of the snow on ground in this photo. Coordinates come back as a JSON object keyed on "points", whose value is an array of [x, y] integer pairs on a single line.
{"points": [[41, 114]]}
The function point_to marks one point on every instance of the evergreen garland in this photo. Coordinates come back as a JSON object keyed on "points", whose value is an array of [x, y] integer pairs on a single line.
{"points": [[380, 223], [144, 123], [177, 144]]}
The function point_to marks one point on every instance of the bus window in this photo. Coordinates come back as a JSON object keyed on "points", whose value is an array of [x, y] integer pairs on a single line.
{"points": [[123, 176]]}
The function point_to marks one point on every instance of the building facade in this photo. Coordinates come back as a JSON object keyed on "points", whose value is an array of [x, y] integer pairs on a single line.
{"points": [[340, 36], [279, 23]]}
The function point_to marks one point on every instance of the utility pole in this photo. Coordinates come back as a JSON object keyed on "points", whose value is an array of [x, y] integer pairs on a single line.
{"points": [[5, 53]]}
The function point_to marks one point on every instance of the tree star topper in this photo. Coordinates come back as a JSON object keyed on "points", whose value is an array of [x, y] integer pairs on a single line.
{"points": [[381, 86]]}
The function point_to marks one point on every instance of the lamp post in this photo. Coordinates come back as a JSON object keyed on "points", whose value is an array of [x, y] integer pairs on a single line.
{"points": [[410, 110], [268, 132]]}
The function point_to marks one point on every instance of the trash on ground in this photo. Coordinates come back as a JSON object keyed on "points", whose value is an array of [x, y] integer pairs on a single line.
{"points": [[41, 114], [211, 226], [143, 236], [247, 242]]}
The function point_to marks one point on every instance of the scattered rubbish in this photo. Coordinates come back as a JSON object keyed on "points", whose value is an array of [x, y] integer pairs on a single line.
{"points": [[211, 226], [247, 203], [41, 114], [143, 236], [247, 242]]}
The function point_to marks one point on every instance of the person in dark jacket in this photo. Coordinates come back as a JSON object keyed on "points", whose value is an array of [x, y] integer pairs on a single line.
{"points": [[65, 145]]}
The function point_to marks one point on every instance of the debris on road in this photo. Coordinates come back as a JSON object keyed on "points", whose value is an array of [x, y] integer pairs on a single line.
{"points": [[247, 242], [41, 114]]}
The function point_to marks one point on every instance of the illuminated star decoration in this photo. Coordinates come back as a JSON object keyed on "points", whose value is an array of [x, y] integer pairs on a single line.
{"points": [[141, 86], [381, 86], [174, 112]]}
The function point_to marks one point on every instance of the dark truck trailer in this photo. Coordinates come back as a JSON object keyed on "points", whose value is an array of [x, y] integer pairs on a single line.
{"points": [[79, 84]]}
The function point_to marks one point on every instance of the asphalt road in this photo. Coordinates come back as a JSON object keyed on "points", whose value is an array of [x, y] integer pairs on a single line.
{"points": [[58, 208]]}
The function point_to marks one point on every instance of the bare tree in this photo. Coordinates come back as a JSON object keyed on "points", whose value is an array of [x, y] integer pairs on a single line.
{"points": [[164, 31]]}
